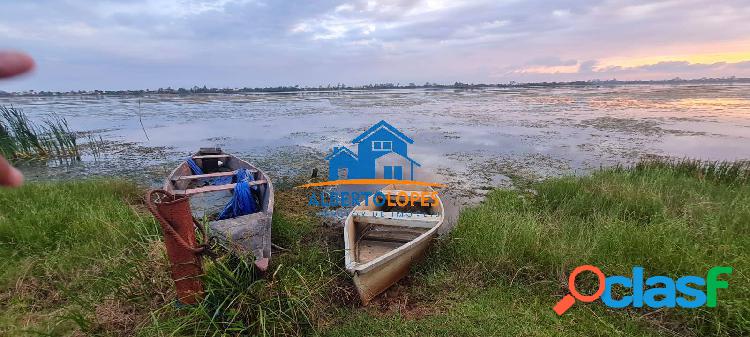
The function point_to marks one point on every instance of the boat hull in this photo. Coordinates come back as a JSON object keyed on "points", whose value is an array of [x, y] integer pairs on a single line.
{"points": [[248, 235], [377, 262], [373, 282]]}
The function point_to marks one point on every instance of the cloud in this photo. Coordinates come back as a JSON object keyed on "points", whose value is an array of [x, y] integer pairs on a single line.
{"points": [[680, 69], [587, 67], [159, 43], [656, 71], [551, 61]]}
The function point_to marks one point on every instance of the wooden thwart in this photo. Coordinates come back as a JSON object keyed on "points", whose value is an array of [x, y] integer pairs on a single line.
{"points": [[389, 236], [214, 188], [396, 219], [211, 156], [207, 175]]}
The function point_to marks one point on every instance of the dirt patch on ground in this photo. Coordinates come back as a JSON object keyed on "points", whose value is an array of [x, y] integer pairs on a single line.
{"points": [[39, 293], [404, 298], [344, 294], [294, 202], [115, 316]]}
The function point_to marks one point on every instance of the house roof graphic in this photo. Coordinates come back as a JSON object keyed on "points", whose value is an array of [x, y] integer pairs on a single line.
{"points": [[340, 150], [370, 162], [382, 125]]}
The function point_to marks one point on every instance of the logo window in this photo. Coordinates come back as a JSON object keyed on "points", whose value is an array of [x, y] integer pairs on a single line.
{"points": [[382, 145]]}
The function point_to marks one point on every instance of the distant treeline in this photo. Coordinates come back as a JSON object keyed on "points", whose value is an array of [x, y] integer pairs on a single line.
{"points": [[377, 86]]}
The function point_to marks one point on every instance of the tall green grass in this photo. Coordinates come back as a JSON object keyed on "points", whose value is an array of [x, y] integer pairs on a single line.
{"points": [[22, 139], [67, 249], [240, 302], [728, 172], [85, 258], [674, 218], [290, 300]]}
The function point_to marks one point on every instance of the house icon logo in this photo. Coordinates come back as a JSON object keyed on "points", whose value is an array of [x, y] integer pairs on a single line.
{"points": [[382, 153]]}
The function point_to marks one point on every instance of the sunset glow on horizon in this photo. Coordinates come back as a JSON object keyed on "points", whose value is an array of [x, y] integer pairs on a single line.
{"points": [[705, 58], [604, 65], [237, 43]]}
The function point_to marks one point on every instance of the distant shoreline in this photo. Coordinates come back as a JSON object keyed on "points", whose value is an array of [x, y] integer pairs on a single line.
{"points": [[369, 87]]}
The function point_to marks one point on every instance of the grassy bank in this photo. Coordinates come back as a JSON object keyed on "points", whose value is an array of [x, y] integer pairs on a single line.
{"points": [[69, 251], [83, 257], [506, 262]]}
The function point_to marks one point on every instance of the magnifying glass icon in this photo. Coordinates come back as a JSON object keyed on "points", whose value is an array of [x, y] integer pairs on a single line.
{"points": [[568, 300]]}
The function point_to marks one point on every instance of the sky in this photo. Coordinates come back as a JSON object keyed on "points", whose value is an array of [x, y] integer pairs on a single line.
{"points": [[139, 44]]}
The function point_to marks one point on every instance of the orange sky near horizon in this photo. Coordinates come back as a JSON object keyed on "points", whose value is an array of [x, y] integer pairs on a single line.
{"points": [[604, 64], [697, 58]]}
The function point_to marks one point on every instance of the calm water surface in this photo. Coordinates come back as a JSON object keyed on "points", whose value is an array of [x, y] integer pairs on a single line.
{"points": [[470, 139]]}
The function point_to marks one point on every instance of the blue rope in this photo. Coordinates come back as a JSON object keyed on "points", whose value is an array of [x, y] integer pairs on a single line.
{"points": [[193, 166], [215, 181], [242, 202]]}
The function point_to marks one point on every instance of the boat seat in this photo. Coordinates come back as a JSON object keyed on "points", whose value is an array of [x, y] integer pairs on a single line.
{"points": [[389, 236], [397, 219], [210, 175], [214, 188], [211, 156], [207, 175]]}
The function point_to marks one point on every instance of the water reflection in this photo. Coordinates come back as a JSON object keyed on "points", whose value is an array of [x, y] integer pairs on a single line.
{"points": [[471, 140]]}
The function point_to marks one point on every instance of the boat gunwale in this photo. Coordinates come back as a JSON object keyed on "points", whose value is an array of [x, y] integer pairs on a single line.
{"points": [[173, 174], [355, 267]]}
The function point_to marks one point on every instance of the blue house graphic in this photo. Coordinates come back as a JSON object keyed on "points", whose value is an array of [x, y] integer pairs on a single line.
{"points": [[381, 153]]}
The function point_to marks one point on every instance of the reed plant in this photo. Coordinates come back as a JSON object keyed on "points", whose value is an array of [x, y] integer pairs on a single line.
{"points": [[22, 139]]}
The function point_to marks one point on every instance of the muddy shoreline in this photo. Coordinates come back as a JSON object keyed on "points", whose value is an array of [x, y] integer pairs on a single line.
{"points": [[470, 140]]}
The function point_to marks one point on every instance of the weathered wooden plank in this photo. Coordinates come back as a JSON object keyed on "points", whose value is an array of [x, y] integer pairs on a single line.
{"points": [[214, 188], [396, 219], [205, 189], [211, 156], [207, 175], [210, 175], [388, 236]]}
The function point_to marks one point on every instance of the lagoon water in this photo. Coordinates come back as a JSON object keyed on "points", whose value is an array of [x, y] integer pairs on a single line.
{"points": [[470, 139]]}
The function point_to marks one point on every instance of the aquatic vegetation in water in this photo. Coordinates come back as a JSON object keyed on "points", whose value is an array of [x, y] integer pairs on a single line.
{"points": [[21, 139], [634, 126]]}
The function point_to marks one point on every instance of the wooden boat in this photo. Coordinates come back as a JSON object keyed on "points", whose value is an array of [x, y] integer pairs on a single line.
{"points": [[381, 243], [246, 235]]}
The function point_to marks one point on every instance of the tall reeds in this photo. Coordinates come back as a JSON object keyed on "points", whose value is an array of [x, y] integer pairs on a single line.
{"points": [[732, 172], [22, 139]]}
